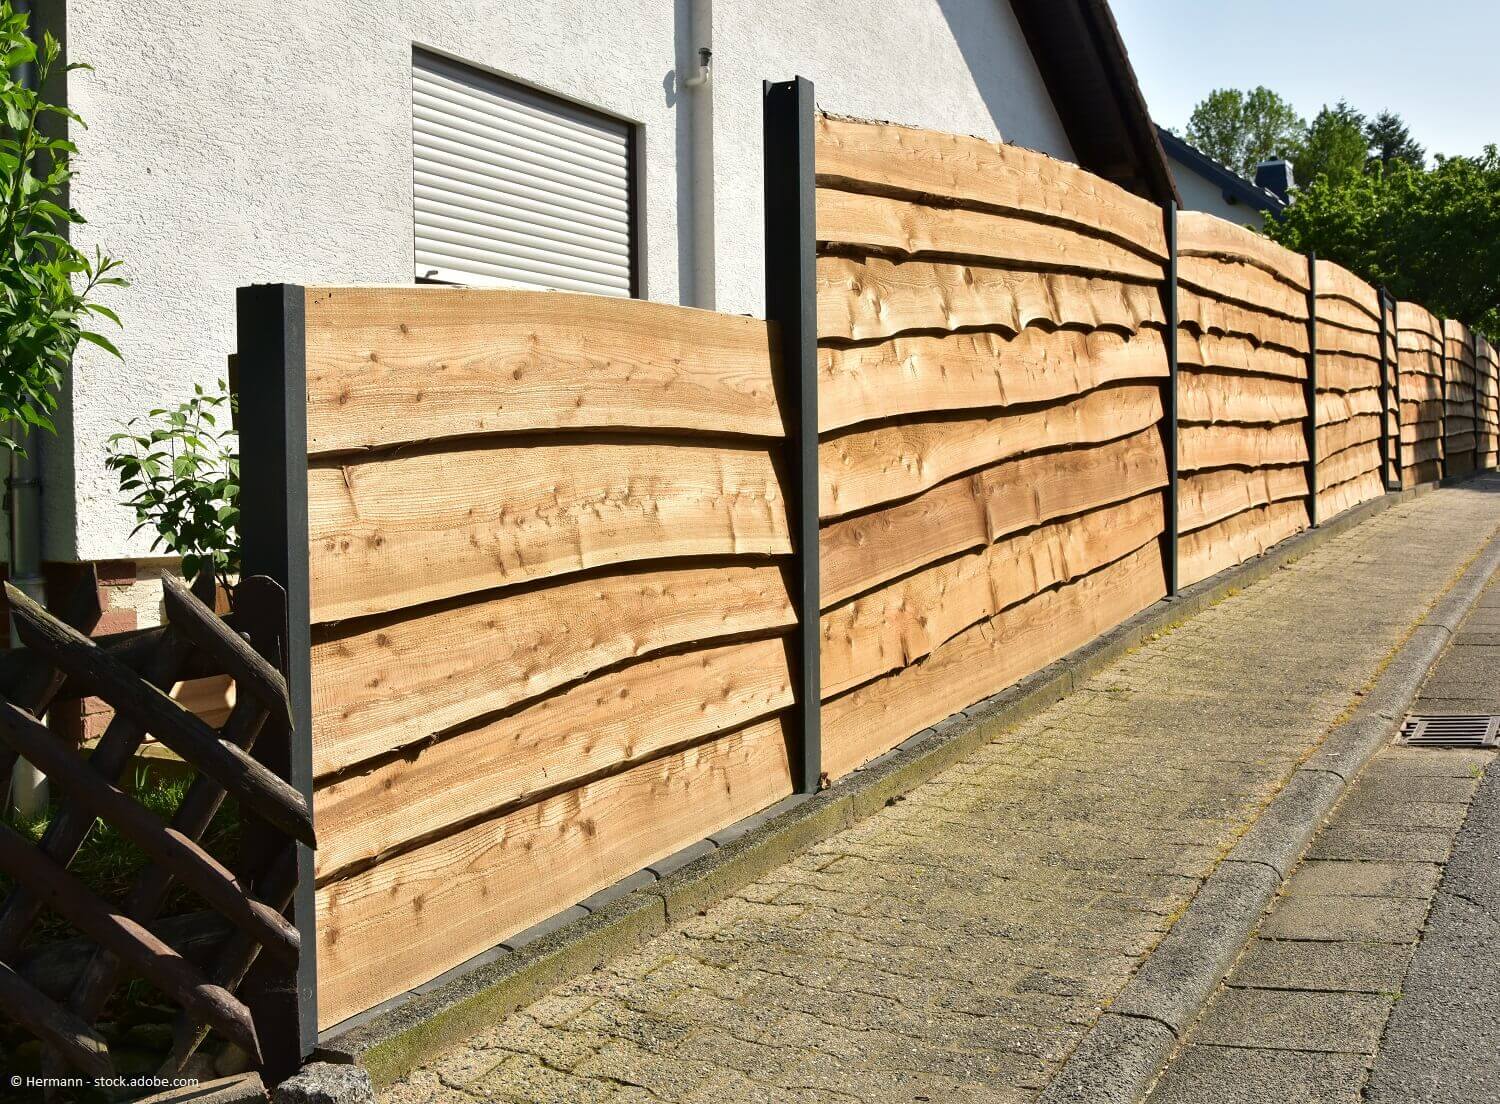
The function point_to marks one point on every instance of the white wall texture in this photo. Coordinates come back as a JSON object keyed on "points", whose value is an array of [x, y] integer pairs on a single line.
{"points": [[270, 140], [1201, 194]]}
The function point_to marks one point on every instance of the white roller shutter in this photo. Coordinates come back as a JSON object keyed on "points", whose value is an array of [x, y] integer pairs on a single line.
{"points": [[513, 187]]}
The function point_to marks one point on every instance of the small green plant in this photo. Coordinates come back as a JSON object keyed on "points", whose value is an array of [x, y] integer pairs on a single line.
{"points": [[179, 468], [47, 285]]}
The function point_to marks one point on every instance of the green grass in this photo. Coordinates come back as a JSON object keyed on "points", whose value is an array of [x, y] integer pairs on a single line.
{"points": [[109, 864]]}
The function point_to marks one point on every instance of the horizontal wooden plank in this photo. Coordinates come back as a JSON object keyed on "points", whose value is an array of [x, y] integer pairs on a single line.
{"points": [[620, 717], [1426, 471], [1223, 446], [1211, 496], [1344, 315], [1348, 464], [899, 160], [1200, 234], [398, 924], [387, 534], [385, 686], [1232, 353], [865, 298], [985, 659], [1234, 540], [1209, 397], [862, 468], [894, 626], [1337, 436], [1335, 500], [899, 228], [1420, 388], [1336, 339], [926, 374], [1337, 284], [393, 365], [1206, 314], [862, 552], [1337, 406], [1341, 372], [1243, 284], [1415, 318]]}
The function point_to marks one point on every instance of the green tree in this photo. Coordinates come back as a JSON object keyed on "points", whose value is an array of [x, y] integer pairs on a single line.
{"points": [[1334, 147], [1390, 142], [47, 285], [1432, 236], [1242, 129]]}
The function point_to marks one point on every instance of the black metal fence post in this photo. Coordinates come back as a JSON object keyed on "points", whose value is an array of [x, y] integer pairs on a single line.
{"points": [[1311, 390], [1396, 378], [1169, 427], [792, 305], [1442, 402], [1385, 398], [272, 425]]}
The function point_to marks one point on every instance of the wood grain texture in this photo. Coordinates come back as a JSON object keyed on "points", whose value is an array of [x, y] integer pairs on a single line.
{"points": [[859, 469], [892, 627], [1333, 501], [393, 533], [1341, 372], [400, 923], [1217, 397], [389, 366], [1223, 446], [1244, 284], [602, 724], [925, 374], [1349, 464], [385, 686], [1232, 353], [861, 299], [899, 228], [897, 160], [1211, 496], [1339, 312], [1336, 437], [862, 552], [1207, 314], [1338, 284], [1200, 234], [1234, 540], [1336, 406], [985, 659], [1337, 340]]}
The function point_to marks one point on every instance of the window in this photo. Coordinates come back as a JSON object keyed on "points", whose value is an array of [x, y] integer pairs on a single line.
{"points": [[514, 187]]}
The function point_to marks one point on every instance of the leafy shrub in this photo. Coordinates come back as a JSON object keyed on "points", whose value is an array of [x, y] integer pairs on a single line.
{"points": [[180, 470]]}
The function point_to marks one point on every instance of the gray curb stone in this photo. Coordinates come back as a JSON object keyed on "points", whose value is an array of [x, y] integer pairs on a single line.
{"points": [[1119, 1062], [397, 1036]]}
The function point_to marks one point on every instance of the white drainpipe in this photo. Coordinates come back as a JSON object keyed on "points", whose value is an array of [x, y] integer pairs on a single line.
{"points": [[700, 86]]}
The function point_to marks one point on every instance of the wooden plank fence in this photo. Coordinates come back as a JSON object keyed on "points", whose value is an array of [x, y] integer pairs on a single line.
{"points": [[575, 582]]}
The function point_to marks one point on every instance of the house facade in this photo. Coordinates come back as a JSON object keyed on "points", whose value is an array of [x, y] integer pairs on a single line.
{"points": [[598, 145], [1206, 185]]}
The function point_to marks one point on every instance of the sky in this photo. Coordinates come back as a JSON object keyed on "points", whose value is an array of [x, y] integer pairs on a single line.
{"points": [[1435, 62]]}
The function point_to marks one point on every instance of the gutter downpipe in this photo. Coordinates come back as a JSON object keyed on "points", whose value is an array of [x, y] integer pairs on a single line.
{"points": [[703, 293], [28, 786]]}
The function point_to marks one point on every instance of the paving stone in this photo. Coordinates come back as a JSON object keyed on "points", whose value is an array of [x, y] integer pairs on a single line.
{"points": [[1239, 1075], [1365, 879], [1430, 845], [1352, 967], [958, 944], [1338, 1023], [1368, 812], [1375, 919]]}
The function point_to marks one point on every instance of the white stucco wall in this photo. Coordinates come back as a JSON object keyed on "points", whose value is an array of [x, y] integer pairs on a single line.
{"points": [[270, 140], [1201, 194]]}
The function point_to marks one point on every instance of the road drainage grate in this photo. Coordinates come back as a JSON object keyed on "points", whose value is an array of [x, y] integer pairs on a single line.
{"points": [[1470, 731]]}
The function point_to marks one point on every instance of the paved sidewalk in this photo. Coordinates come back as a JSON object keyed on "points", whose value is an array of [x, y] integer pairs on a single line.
{"points": [[959, 944], [1363, 928]]}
